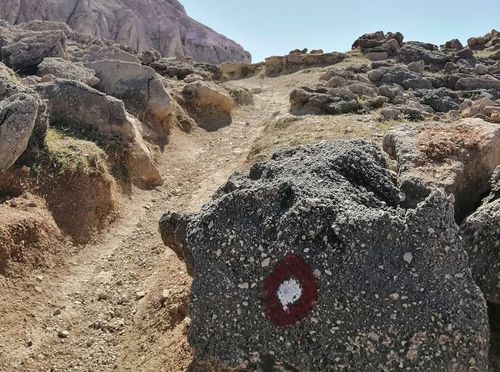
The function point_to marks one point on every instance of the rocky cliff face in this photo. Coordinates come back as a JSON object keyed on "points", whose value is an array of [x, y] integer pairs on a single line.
{"points": [[139, 24]]}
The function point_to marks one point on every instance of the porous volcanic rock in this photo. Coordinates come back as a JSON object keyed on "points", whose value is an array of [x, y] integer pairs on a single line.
{"points": [[307, 262], [458, 157], [138, 24], [414, 52], [494, 314], [481, 232]]}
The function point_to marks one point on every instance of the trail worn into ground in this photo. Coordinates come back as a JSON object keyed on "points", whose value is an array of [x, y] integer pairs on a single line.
{"points": [[121, 303]]}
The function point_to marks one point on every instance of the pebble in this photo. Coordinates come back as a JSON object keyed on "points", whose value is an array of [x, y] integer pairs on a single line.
{"points": [[102, 296], [266, 262], [408, 257], [165, 295], [63, 334], [394, 296], [140, 295]]}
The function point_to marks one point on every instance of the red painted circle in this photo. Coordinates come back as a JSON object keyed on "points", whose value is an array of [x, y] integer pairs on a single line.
{"points": [[291, 267]]}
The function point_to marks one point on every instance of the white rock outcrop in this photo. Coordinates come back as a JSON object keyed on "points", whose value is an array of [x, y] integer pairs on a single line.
{"points": [[139, 24]]}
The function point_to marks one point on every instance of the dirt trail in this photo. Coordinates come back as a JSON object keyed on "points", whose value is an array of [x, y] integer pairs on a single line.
{"points": [[94, 314]]}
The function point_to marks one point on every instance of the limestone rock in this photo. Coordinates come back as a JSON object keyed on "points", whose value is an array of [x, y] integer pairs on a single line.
{"points": [[305, 101], [138, 24], [80, 108], [458, 157], [241, 96], [484, 107], [400, 76], [76, 105], [236, 71], [11, 85], [18, 115], [174, 69], [142, 91], [301, 263], [208, 104], [282, 65], [26, 53], [65, 69]]}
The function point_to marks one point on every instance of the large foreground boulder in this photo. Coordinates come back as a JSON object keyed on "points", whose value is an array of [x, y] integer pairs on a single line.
{"points": [[308, 263], [140, 88], [458, 157]]}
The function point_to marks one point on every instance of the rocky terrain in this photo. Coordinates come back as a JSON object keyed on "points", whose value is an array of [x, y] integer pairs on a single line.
{"points": [[317, 211], [137, 24]]}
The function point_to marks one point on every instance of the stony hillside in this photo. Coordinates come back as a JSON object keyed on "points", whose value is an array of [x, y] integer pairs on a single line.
{"points": [[317, 211], [137, 24]]}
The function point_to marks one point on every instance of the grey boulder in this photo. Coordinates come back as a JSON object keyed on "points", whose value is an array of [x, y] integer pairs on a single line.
{"points": [[308, 263], [88, 112], [18, 115], [142, 91], [29, 50]]}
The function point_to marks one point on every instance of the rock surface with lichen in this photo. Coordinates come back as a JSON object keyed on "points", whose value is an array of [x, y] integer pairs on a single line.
{"points": [[308, 262]]}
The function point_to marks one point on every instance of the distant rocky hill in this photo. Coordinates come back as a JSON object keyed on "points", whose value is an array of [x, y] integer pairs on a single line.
{"points": [[138, 24]]}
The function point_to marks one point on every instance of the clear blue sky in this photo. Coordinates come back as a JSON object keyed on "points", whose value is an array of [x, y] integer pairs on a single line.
{"points": [[274, 27]]}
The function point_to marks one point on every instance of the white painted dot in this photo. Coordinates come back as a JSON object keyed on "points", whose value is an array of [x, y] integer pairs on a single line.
{"points": [[289, 292]]}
